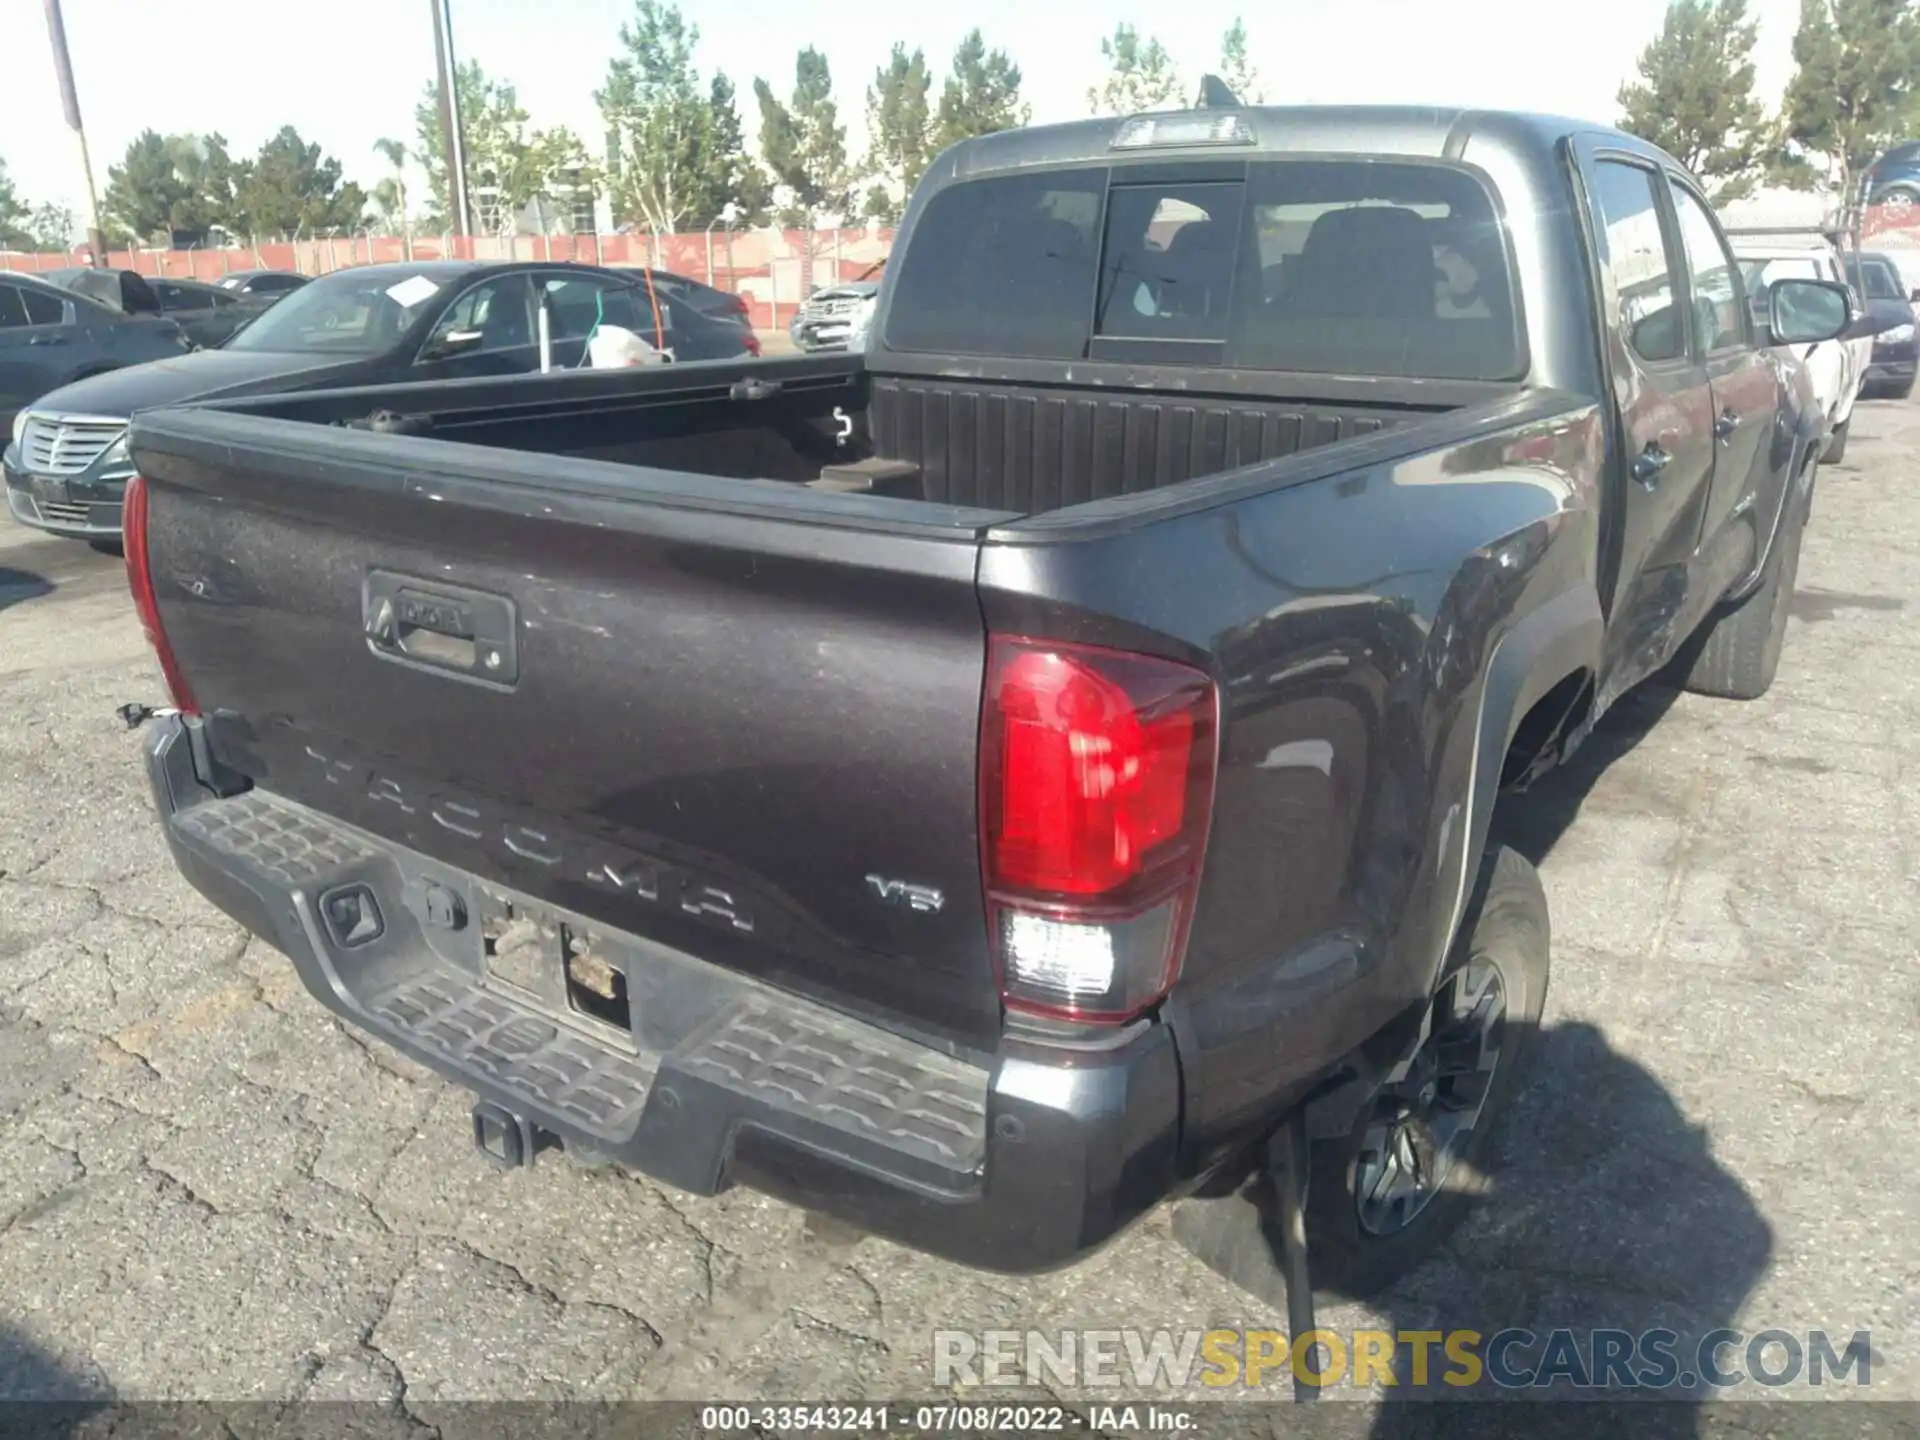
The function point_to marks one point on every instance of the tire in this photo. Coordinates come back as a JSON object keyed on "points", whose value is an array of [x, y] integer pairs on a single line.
{"points": [[1837, 443], [1735, 654], [1234, 1234], [1509, 934]]}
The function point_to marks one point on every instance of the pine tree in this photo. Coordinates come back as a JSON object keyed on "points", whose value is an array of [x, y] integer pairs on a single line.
{"points": [[1236, 70], [1857, 83], [804, 144], [1694, 98], [733, 176], [1141, 76], [899, 127], [981, 95], [144, 191], [292, 187]]}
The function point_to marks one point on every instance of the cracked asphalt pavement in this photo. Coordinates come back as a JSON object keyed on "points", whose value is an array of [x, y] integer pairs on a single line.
{"points": [[209, 1190]]}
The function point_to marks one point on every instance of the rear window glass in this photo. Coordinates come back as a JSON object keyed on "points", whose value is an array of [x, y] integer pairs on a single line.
{"points": [[1368, 268], [1376, 269], [1003, 266]]}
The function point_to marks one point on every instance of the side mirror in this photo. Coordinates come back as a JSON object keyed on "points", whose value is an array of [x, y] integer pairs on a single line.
{"points": [[452, 343], [1806, 312]]}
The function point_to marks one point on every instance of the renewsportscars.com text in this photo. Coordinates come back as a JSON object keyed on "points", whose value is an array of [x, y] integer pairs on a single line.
{"points": [[1511, 1359]]}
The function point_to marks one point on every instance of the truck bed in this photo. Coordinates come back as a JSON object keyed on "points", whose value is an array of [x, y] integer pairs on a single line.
{"points": [[997, 445]]}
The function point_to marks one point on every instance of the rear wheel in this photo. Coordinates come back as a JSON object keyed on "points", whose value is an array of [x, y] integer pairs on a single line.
{"points": [[1384, 1195], [1380, 1200], [1736, 653]]}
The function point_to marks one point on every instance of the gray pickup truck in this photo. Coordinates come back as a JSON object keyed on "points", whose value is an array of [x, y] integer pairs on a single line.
{"points": [[1042, 766]]}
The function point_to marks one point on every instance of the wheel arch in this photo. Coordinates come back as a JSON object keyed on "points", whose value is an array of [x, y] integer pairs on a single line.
{"points": [[1538, 684]]}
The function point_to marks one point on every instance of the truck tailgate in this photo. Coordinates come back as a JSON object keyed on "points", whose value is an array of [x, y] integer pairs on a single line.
{"points": [[737, 719]]}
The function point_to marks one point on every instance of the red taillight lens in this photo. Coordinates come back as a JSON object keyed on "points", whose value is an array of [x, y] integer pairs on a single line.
{"points": [[1096, 788], [133, 539], [753, 343], [740, 303]]}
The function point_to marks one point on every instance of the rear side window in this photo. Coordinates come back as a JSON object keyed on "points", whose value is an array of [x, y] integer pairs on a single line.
{"points": [[43, 309], [1370, 268], [12, 312]]}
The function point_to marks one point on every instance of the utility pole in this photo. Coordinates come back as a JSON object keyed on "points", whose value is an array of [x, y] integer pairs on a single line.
{"points": [[449, 116], [70, 103]]}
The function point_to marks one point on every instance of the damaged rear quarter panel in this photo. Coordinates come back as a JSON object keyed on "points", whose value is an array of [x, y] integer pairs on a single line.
{"points": [[1349, 620]]}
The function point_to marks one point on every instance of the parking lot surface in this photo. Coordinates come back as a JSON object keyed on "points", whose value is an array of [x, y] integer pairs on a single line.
{"points": [[210, 1190]]}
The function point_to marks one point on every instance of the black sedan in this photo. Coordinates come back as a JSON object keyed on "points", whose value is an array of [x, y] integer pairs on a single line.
{"points": [[262, 282], [709, 300], [208, 314], [1896, 356], [375, 324]]}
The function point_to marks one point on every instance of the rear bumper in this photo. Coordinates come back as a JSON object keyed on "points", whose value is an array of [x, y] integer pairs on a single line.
{"points": [[1019, 1166]]}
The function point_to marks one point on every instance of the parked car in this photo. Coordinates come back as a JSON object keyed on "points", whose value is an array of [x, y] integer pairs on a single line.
{"points": [[1891, 371], [209, 315], [709, 300], [1894, 179], [1837, 369], [50, 337], [1044, 764], [836, 317], [367, 325], [262, 282]]}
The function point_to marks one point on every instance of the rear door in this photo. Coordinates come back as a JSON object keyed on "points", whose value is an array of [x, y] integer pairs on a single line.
{"points": [[1664, 471], [35, 345], [1746, 388]]}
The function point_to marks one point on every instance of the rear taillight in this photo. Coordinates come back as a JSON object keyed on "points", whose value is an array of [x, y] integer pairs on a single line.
{"points": [[753, 343], [741, 304], [133, 539], [1096, 787]]}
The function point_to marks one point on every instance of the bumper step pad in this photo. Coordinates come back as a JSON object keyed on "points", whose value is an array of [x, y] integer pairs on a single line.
{"points": [[762, 1058]]}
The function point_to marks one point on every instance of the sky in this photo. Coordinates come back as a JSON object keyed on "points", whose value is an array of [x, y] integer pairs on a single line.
{"points": [[347, 72]]}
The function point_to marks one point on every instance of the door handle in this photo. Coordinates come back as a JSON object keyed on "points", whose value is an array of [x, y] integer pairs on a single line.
{"points": [[1648, 464], [48, 340], [1724, 427]]}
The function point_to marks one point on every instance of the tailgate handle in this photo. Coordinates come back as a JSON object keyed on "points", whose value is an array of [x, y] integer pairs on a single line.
{"points": [[467, 634]]}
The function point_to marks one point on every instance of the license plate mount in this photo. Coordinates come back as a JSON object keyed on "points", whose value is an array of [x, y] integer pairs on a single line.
{"points": [[550, 963]]}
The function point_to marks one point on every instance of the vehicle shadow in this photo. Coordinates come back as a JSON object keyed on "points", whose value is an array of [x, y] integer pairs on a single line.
{"points": [[41, 1398], [17, 586], [1607, 1213]]}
